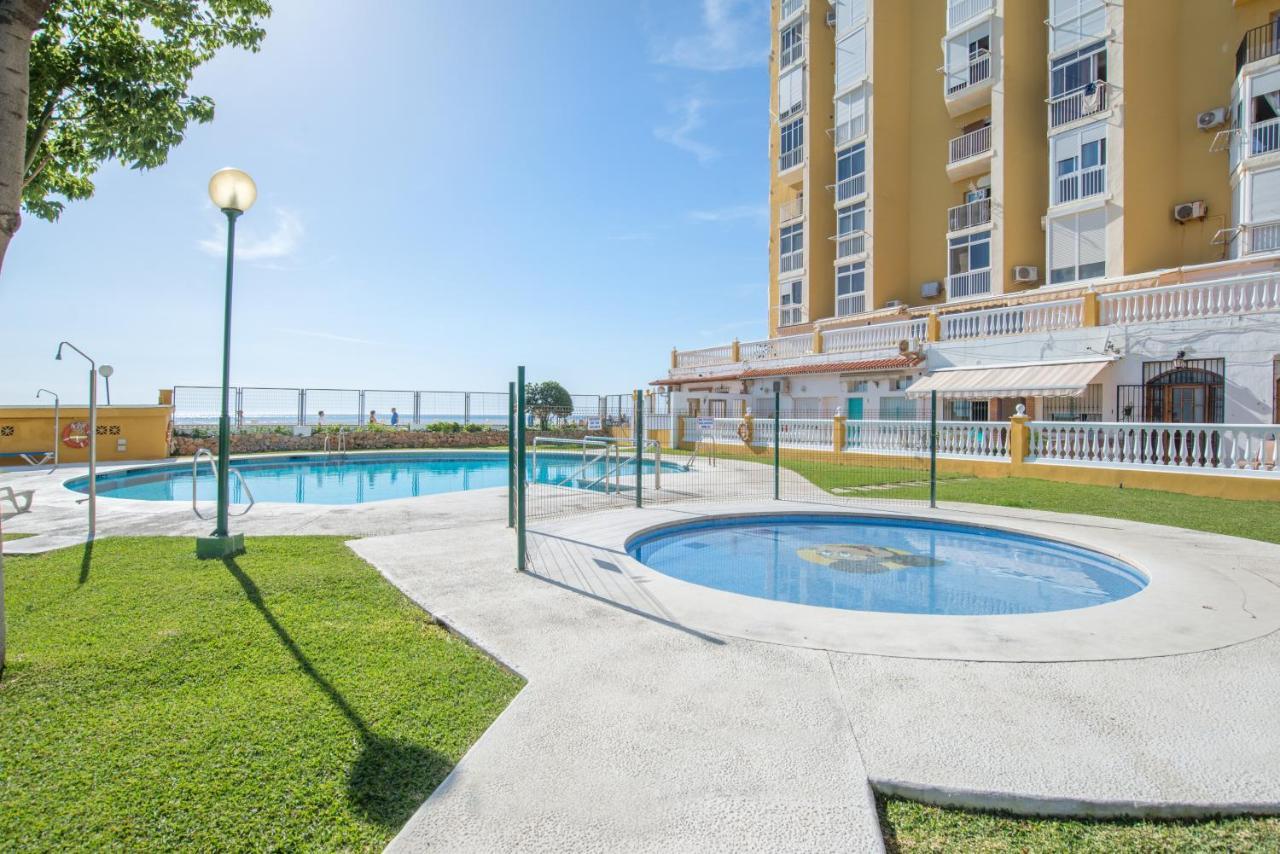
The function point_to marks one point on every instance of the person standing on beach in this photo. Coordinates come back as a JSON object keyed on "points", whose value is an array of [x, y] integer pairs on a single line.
{"points": [[395, 417]]}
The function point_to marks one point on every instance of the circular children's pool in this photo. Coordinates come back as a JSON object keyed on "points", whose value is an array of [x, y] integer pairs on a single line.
{"points": [[356, 479], [903, 566]]}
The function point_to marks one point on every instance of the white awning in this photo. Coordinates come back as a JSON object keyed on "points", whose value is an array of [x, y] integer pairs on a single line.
{"points": [[1035, 379]]}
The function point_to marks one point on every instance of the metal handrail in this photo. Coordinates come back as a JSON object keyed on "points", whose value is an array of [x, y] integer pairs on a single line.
{"points": [[607, 443], [244, 484], [342, 441]]}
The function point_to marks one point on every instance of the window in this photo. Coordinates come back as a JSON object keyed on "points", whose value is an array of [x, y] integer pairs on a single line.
{"points": [[851, 172], [851, 286], [1079, 164], [791, 304], [1078, 246], [851, 59], [967, 410], [1087, 407], [1264, 113], [791, 145], [791, 45], [969, 265], [791, 248], [1074, 21], [849, 13], [1078, 69], [1184, 391], [791, 93], [851, 223], [851, 116], [857, 386], [969, 59], [897, 409]]}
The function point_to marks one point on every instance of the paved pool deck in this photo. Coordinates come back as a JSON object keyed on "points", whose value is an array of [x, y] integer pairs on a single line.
{"points": [[649, 724]]}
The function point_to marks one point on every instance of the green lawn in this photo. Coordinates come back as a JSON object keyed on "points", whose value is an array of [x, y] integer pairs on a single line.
{"points": [[911, 827], [290, 699], [7, 537]]}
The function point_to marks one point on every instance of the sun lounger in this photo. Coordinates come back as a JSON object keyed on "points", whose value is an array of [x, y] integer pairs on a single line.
{"points": [[21, 500], [32, 458]]}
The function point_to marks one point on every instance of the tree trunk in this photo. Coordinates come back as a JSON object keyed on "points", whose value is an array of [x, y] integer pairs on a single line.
{"points": [[18, 20]]}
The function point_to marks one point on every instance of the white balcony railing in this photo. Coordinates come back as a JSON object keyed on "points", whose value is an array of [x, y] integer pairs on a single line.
{"points": [[1234, 448], [972, 73], [969, 215], [791, 262], [776, 348], [802, 433], [972, 283], [971, 144], [960, 11], [791, 211], [851, 245], [1264, 137], [989, 439], [1078, 104], [1259, 237], [1012, 320], [878, 336], [851, 304], [789, 9], [851, 188], [1198, 299], [1080, 184], [791, 158], [848, 131], [722, 355]]}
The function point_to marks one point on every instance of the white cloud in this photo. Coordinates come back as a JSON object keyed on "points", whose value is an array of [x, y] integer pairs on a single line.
{"points": [[735, 34], [730, 213], [324, 336], [283, 242], [688, 115]]}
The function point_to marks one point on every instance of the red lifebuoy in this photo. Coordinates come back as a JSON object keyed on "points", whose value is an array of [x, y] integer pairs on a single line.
{"points": [[76, 435]]}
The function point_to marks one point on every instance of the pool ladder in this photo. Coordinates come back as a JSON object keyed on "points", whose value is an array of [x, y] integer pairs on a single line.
{"points": [[205, 453], [341, 443]]}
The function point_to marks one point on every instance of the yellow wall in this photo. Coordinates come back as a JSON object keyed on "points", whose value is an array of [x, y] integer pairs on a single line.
{"points": [[144, 429], [892, 42], [1021, 159]]}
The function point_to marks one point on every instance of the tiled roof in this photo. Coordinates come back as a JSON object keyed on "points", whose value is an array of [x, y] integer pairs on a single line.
{"points": [[896, 363]]}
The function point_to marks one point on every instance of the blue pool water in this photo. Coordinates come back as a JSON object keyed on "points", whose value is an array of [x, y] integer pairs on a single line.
{"points": [[896, 565], [351, 480]]}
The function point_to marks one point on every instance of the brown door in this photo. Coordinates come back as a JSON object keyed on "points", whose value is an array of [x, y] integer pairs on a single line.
{"points": [[1185, 404]]}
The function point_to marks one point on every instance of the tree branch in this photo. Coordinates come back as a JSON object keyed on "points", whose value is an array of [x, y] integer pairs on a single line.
{"points": [[42, 128], [31, 175]]}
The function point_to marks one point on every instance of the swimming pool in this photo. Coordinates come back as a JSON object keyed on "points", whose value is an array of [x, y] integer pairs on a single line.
{"points": [[903, 566], [355, 479]]}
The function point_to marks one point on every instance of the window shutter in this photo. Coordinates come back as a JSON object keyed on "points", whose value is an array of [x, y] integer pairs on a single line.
{"points": [[790, 90], [1093, 18], [1264, 83], [851, 59], [1062, 243], [1092, 229], [1064, 146], [1264, 196]]}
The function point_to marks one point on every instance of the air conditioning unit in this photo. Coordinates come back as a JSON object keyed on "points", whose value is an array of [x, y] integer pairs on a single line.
{"points": [[831, 17], [1188, 211], [1210, 119], [931, 290], [894, 303], [1023, 274]]}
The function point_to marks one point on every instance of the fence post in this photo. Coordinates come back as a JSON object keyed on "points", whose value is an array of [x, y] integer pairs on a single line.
{"points": [[777, 439], [302, 407], [639, 439], [1019, 441], [466, 408], [933, 450], [838, 434], [417, 408], [360, 408], [521, 514], [511, 453]]}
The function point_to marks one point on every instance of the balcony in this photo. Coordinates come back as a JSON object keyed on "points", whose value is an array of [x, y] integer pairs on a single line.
{"points": [[1082, 103], [971, 284], [791, 262], [1259, 238], [1258, 44], [1080, 185], [790, 159], [967, 86], [851, 188], [960, 12], [850, 245], [851, 304], [1264, 137], [969, 155], [846, 132], [790, 8], [969, 215], [791, 211]]}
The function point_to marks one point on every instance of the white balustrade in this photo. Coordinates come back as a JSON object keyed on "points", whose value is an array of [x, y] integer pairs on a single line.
{"points": [[969, 215], [969, 145], [959, 11], [851, 188], [801, 433], [987, 439], [1013, 320], [1197, 299], [972, 283], [722, 355], [896, 438], [776, 348], [976, 70], [1221, 448], [877, 336], [1081, 103]]}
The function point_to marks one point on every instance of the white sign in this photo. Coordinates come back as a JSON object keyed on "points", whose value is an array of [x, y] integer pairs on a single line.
{"points": [[706, 425], [593, 423]]}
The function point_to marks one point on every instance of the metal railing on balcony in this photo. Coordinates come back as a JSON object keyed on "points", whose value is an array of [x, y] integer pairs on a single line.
{"points": [[790, 8], [1080, 185], [960, 11], [1264, 137], [791, 262], [1258, 43], [850, 245], [848, 131], [972, 283], [1259, 238], [792, 210], [790, 158], [969, 215], [971, 144], [972, 73], [1082, 103], [851, 188], [851, 304]]}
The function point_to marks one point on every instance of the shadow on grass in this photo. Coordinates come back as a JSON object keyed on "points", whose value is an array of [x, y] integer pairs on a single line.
{"points": [[85, 560], [390, 778]]}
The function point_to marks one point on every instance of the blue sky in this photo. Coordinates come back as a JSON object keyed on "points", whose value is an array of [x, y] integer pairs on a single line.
{"points": [[445, 191]]}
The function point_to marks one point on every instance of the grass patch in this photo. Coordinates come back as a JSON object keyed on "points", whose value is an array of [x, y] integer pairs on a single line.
{"points": [[911, 827], [289, 699], [7, 537]]}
